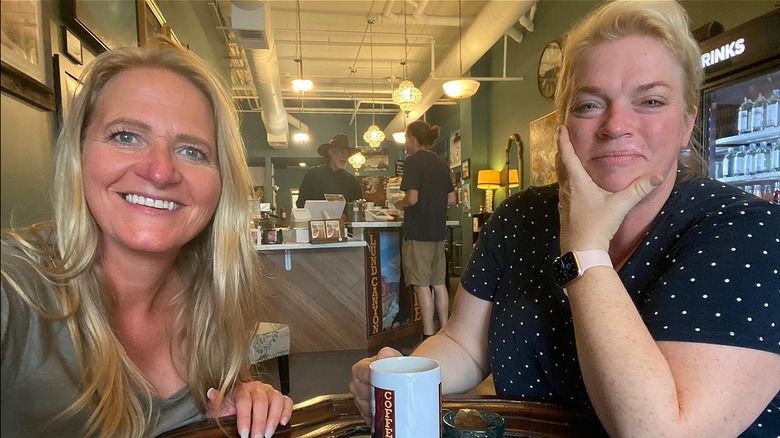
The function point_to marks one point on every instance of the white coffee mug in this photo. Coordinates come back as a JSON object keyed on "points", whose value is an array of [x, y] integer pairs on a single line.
{"points": [[406, 400]]}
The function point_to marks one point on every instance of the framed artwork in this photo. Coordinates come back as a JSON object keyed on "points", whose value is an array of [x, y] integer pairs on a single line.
{"points": [[66, 84], [151, 22], [543, 149], [73, 47], [465, 171], [102, 25], [466, 205], [455, 150], [23, 55]]}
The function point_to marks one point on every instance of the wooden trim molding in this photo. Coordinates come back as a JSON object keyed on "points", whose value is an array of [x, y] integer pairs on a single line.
{"points": [[22, 86]]}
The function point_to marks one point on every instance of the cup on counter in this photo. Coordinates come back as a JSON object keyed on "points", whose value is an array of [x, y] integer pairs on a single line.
{"points": [[406, 400]]}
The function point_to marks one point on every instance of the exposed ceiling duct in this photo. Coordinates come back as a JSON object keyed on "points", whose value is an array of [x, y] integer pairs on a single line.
{"points": [[492, 23], [255, 17]]}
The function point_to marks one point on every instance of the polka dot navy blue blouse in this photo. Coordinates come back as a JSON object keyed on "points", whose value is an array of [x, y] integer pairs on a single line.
{"points": [[707, 271]]}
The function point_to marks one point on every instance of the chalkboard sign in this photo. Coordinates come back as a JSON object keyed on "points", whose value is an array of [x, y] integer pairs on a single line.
{"points": [[399, 167]]}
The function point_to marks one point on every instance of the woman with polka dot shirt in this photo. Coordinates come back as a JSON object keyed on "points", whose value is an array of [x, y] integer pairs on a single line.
{"points": [[633, 288]]}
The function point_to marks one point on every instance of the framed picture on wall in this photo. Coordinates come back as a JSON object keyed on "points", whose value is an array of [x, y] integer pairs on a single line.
{"points": [[465, 171], [543, 149], [23, 54], [102, 25], [455, 150], [65, 85]]}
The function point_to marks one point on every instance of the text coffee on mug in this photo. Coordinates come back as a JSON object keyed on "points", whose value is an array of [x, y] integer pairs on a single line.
{"points": [[406, 400]]}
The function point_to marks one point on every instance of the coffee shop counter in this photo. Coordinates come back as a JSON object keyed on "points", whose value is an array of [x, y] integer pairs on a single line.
{"points": [[359, 228], [332, 295]]}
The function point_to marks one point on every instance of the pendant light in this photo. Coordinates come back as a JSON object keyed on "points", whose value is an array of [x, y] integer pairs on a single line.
{"points": [[373, 135], [462, 88], [406, 96], [300, 84]]}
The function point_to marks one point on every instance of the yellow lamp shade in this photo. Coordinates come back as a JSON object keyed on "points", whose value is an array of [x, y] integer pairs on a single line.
{"points": [[514, 178], [489, 179]]}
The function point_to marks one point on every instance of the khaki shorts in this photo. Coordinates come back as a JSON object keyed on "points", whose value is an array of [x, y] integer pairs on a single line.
{"points": [[424, 263]]}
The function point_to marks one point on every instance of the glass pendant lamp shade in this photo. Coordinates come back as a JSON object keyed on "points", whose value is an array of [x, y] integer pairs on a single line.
{"points": [[399, 137], [406, 96], [357, 160], [374, 136], [461, 88]]}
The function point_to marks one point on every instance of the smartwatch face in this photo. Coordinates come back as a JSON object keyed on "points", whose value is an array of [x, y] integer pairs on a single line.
{"points": [[565, 269]]}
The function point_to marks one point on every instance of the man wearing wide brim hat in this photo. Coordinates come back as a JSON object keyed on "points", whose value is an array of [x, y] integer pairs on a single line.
{"points": [[332, 177]]}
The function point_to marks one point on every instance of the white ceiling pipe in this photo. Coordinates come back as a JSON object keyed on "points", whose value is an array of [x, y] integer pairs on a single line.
{"points": [[491, 24], [265, 74]]}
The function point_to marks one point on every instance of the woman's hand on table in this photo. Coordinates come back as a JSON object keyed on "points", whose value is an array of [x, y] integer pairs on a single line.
{"points": [[590, 215], [360, 387], [258, 407]]}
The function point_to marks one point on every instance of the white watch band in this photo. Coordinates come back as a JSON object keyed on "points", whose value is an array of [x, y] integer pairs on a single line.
{"points": [[588, 259], [592, 257]]}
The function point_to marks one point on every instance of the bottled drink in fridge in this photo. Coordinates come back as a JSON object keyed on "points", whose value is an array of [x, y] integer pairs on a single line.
{"points": [[727, 168], [760, 158], [750, 159], [758, 113], [743, 118], [775, 154], [772, 107], [739, 161]]}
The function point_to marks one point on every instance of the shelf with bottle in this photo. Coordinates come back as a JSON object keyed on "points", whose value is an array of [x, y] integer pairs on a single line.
{"points": [[758, 177], [767, 134]]}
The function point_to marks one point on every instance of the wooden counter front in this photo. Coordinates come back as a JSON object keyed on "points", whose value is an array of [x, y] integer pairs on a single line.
{"points": [[323, 296]]}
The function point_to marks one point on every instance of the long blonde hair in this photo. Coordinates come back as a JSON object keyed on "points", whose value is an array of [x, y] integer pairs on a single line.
{"points": [[219, 306]]}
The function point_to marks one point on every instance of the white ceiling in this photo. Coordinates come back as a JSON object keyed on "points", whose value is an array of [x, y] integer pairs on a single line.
{"points": [[336, 49]]}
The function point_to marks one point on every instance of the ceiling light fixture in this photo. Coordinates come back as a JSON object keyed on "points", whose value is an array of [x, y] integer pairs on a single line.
{"points": [[406, 96], [399, 137], [300, 84], [462, 88], [357, 160], [373, 135]]}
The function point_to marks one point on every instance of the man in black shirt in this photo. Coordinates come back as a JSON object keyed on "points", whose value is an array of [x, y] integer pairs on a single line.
{"points": [[331, 178], [428, 191]]}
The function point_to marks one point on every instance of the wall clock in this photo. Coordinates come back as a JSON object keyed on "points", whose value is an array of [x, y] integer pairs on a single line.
{"points": [[549, 68]]}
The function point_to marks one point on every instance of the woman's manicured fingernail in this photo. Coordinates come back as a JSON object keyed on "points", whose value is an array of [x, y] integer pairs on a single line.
{"points": [[212, 394], [284, 421], [244, 432], [270, 432]]}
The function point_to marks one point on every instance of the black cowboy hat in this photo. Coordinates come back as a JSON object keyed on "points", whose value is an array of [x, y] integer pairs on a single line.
{"points": [[338, 141]]}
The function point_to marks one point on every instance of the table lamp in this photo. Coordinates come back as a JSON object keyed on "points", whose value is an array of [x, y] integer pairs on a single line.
{"points": [[488, 180]]}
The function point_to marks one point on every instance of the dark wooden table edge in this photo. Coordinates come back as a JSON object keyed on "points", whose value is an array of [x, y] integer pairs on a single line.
{"points": [[335, 416]]}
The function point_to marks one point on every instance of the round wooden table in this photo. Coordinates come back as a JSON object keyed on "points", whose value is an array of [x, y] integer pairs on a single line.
{"points": [[336, 416]]}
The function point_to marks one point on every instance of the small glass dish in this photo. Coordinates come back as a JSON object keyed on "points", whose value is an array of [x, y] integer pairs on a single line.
{"points": [[495, 426]]}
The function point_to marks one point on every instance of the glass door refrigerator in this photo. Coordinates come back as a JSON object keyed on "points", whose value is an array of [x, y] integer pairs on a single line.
{"points": [[740, 133]]}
